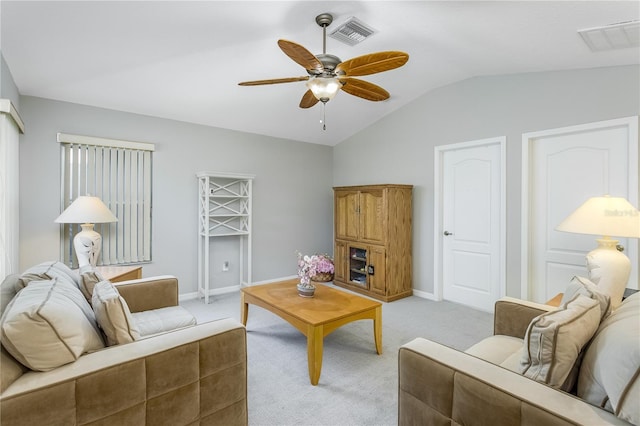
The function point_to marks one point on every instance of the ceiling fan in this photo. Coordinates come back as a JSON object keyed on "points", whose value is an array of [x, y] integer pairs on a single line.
{"points": [[328, 73]]}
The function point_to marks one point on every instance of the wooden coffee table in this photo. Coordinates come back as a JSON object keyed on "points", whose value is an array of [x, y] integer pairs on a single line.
{"points": [[315, 317]]}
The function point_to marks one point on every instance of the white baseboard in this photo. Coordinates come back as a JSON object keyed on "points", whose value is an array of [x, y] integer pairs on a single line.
{"points": [[234, 288], [187, 296], [290, 277], [425, 295], [213, 292], [230, 289]]}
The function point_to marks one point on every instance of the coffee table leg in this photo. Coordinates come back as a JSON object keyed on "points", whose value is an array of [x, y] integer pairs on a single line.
{"points": [[244, 309], [377, 330], [314, 352]]}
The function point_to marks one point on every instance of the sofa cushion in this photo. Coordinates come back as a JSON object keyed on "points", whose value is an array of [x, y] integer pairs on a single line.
{"points": [[554, 340], [501, 350], [496, 349], [46, 326], [89, 277], [113, 315], [69, 289], [24, 279], [583, 286], [8, 290], [161, 320], [611, 364], [10, 369], [46, 271]]}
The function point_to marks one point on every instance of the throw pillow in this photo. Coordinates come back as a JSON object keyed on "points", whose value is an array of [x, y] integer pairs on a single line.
{"points": [[8, 290], [88, 280], [113, 314], [583, 286], [554, 340], [43, 328], [24, 279], [48, 270], [610, 371]]}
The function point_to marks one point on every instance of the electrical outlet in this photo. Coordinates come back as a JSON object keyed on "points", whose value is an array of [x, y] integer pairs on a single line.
{"points": [[225, 266]]}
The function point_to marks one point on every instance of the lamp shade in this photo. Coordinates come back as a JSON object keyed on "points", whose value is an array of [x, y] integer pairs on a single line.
{"points": [[87, 209], [324, 88], [606, 216]]}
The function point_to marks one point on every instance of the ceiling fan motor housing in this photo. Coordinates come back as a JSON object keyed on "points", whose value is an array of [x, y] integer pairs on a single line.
{"points": [[329, 63]]}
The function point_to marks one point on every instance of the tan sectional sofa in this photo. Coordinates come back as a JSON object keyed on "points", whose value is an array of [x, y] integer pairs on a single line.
{"points": [[439, 385], [189, 376]]}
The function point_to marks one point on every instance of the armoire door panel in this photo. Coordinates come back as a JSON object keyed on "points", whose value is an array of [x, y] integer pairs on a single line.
{"points": [[346, 212], [372, 216]]}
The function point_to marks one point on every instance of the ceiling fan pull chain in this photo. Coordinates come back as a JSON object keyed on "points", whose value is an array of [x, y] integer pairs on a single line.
{"points": [[324, 120]]}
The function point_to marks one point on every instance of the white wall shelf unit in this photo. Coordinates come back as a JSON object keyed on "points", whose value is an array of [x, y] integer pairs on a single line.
{"points": [[224, 210]]}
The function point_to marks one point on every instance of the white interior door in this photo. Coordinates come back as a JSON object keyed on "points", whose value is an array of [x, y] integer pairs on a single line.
{"points": [[472, 266], [566, 167]]}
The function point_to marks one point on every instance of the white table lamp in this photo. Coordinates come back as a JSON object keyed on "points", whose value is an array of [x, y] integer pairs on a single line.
{"points": [[610, 217], [87, 243]]}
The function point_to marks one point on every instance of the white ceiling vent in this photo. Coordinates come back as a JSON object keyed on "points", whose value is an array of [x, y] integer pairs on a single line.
{"points": [[614, 36], [352, 32]]}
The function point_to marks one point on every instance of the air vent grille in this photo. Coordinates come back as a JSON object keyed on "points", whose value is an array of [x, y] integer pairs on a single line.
{"points": [[614, 36], [352, 32]]}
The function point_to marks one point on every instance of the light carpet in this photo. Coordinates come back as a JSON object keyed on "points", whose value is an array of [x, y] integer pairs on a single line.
{"points": [[357, 386]]}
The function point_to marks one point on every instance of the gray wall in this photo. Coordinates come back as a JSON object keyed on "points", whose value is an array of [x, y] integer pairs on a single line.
{"points": [[400, 147], [292, 204], [8, 89], [293, 200]]}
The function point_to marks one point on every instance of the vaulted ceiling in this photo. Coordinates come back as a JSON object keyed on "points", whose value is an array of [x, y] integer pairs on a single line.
{"points": [[182, 60]]}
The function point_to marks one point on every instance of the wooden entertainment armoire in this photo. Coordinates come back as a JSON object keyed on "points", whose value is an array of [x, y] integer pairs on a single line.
{"points": [[372, 252]]}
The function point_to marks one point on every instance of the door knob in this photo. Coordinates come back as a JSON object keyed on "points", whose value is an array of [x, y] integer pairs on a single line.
{"points": [[447, 233]]}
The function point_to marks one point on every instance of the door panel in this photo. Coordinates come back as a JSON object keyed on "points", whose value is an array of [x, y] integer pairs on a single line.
{"points": [[339, 264], [470, 270], [472, 217], [372, 216], [346, 212], [566, 169], [377, 261]]}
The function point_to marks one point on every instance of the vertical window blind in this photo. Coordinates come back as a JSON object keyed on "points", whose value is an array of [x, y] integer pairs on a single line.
{"points": [[119, 173]]}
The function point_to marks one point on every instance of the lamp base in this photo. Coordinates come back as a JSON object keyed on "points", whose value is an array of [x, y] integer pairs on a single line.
{"points": [[87, 244], [609, 269]]}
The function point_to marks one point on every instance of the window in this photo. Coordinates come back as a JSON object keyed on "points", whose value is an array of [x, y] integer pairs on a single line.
{"points": [[119, 172]]}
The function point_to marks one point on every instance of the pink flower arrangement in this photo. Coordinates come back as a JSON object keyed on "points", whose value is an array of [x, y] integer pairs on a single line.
{"points": [[310, 266]]}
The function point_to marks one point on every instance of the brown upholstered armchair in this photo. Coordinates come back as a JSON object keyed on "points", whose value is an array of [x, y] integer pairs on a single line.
{"points": [[439, 385], [194, 375]]}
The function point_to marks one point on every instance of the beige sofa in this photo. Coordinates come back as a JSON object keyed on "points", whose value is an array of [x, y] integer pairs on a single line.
{"points": [[439, 385], [189, 376]]}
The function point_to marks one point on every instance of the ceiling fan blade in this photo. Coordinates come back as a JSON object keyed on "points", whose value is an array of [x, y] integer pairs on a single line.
{"points": [[273, 81], [373, 63], [364, 89], [301, 55], [308, 100]]}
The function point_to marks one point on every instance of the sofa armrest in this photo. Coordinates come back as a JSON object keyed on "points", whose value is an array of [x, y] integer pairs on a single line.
{"points": [[190, 376], [512, 316], [440, 385], [146, 294]]}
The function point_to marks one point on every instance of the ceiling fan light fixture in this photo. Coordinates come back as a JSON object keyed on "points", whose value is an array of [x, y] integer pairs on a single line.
{"points": [[324, 88]]}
